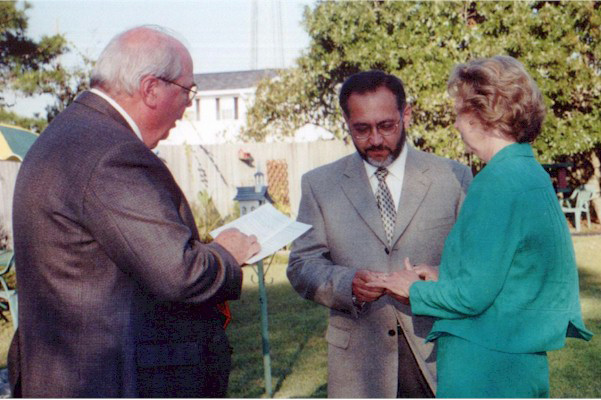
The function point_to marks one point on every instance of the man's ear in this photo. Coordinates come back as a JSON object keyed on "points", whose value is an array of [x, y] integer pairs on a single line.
{"points": [[346, 118], [406, 117], [149, 90]]}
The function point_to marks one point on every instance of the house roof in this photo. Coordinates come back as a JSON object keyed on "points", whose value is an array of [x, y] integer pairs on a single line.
{"points": [[232, 80], [246, 193]]}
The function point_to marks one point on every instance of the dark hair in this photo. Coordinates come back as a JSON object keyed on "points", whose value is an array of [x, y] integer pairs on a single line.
{"points": [[370, 81]]}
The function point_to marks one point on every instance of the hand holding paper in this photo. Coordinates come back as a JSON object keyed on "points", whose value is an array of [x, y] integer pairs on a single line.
{"points": [[241, 246], [273, 230]]}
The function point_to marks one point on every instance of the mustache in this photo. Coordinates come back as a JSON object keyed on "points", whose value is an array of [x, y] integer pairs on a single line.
{"points": [[378, 148]]}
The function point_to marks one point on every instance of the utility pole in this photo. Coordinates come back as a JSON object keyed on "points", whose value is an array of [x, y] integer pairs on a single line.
{"points": [[254, 34], [277, 34]]}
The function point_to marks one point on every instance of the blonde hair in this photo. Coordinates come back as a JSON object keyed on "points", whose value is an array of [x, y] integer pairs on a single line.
{"points": [[501, 94]]}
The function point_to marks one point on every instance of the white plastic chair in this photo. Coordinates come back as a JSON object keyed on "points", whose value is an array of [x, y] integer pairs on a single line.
{"points": [[578, 204]]}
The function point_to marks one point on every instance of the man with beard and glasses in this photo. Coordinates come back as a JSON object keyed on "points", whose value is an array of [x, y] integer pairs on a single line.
{"points": [[369, 211]]}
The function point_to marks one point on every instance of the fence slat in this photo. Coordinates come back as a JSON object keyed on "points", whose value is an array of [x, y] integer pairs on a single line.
{"points": [[224, 171], [215, 168]]}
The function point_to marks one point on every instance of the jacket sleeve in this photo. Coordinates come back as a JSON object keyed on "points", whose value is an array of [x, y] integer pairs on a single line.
{"points": [[310, 269], [134, 209], [475, 266]]}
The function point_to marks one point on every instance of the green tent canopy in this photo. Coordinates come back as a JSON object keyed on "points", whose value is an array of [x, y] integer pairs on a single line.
{"points": [[15, 142]]}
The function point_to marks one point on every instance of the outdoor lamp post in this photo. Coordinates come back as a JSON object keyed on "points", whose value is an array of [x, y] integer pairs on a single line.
{"points": [[250, 198]]}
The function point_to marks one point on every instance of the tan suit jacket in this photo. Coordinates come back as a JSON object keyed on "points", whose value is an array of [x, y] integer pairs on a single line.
{"points": [[348, 235]]}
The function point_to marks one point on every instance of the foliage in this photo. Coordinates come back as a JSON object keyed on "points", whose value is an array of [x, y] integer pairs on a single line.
{"points": [[558, 42], [19, 53], [33, 124], [4, 237], [283, 208], [207, 216], [63, 83], [34, 67]]}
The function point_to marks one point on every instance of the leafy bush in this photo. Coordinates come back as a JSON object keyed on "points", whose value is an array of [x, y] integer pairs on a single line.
{"points": [[207, 216], [4, 238]]}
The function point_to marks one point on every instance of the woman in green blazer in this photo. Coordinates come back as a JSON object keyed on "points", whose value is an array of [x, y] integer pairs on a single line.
{"points": [[508, 286]]}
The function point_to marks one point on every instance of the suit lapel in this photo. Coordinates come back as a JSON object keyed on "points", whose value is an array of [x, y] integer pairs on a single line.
{"points": [[357, 189], [415, 187], [97, 103]]}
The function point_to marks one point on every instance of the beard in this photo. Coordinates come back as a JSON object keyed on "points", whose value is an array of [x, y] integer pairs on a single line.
{"points": [[393, 153]]}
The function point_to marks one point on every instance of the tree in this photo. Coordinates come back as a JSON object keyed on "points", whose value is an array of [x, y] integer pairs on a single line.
{"points": [[558, 42], [34, 67], [63, 83], [33, 124]]}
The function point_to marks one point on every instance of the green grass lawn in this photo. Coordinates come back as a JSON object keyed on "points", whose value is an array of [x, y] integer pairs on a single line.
{"points": [[576, 369], [296, 333], [299, 353]]}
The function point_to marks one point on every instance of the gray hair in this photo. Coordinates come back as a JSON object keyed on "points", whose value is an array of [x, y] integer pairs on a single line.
{"points": [[123, 64]]}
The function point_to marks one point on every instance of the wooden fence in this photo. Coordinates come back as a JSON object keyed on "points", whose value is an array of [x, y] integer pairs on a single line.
{"points": [[217, 169]]}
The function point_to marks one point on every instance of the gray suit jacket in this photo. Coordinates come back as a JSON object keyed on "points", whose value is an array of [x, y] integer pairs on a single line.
{"points": [[116, 291], [348, 235]]}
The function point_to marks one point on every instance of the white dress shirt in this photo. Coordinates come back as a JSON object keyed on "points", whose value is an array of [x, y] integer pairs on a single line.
{"points": [[121, 111], [394, 179]]}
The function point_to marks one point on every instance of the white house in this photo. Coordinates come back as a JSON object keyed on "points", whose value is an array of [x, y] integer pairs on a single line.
{"points": [[218, 112]]}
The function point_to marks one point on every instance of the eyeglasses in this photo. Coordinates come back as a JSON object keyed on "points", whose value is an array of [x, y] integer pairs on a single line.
{"points": [[191, 92], [384, 128]]}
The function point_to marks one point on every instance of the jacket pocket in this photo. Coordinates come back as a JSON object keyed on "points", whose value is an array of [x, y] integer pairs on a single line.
{"points": [[338, 337], [167, 354]]}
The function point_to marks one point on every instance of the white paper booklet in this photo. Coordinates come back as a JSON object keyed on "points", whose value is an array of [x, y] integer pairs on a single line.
{"points": [[273, 229]]}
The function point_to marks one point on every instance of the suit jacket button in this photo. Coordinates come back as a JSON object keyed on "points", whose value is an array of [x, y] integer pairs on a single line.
{"points": [[386, 250], [391, 332]]}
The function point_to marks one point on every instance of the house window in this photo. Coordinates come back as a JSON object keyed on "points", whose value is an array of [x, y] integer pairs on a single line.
{"points": [[217, 109], [236, 116], [225, 108]]}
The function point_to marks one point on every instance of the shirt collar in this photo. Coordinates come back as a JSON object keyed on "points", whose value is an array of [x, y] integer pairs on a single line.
{"points": [[121, 111]]}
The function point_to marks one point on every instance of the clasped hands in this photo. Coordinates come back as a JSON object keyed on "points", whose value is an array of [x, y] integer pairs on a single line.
{"points": [[369, 286]]}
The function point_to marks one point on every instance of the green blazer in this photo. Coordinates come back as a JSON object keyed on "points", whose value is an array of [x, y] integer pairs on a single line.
{"points": [[508, 279]]}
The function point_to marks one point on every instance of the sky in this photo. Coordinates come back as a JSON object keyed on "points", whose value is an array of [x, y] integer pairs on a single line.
{"points": [[217, 32]]}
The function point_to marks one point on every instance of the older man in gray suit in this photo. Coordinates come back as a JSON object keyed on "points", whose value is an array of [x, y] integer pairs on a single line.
{"points": [[118, 296], [369, 211]]}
